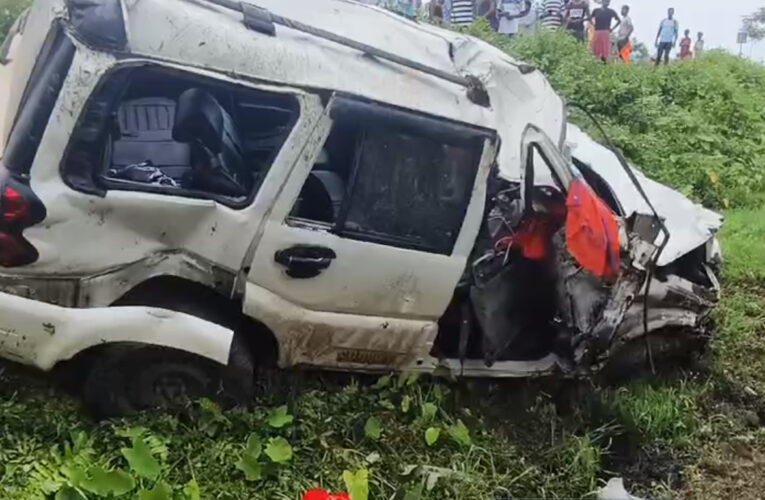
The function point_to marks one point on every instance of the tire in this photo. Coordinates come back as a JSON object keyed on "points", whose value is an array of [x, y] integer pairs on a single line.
{"points": [[129, 378], [125, 379], [670, 349]]}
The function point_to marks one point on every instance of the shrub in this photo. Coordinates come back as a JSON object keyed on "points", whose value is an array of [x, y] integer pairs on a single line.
{"points": [[9, 11], [698, 125]]}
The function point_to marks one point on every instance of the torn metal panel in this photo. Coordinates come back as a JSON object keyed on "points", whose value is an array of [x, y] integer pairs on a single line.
{"points": [[689, 224], [105, 288], [99, 24]]}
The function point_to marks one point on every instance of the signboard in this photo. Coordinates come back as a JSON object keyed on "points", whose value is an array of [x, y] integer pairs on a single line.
{"points": [[741, 38]]}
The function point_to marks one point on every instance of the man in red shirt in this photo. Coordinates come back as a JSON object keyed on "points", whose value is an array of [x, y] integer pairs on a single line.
{"points": [[603, 18]]}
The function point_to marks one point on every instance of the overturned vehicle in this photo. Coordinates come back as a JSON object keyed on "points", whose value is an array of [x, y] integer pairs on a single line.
{"points": [[193, 189]]}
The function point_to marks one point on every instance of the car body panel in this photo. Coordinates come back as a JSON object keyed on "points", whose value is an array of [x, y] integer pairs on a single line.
{"points": [[377, 307]]}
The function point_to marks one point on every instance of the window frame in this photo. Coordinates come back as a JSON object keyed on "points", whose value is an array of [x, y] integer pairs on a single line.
{"points": [[98, 184], [355, 107]]}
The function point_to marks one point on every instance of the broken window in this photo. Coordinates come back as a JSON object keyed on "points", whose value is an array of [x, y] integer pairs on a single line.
{"points": [[393, 177], [158, 130]]}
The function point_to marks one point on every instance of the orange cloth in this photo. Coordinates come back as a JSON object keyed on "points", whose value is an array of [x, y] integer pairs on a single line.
{"points": [[626, 53], [592, 233]]}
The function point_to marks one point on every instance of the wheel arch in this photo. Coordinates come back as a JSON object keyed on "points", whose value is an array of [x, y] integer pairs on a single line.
{"points": [[176, 313]]}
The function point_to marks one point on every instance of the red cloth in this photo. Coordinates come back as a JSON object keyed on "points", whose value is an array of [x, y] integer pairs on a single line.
{"points": [[324, 495], [601, 45], [592, 233]]}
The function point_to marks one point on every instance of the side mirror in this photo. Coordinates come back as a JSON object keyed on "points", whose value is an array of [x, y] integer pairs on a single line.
{"points": [[199, 118]]}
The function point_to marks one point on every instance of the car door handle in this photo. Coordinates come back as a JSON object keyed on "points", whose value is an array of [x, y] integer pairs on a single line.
{"points": [[305, 261]]}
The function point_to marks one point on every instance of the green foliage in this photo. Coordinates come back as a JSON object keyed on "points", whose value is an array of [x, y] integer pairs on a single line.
{"points": [[248, 463], [279, 417], [9, 11], [357, 484], [279, 450], [698, 126], [460, 434], [656, 412], [160, 491], [432, 435], [141, 460], [754, 24], [373, 428]]}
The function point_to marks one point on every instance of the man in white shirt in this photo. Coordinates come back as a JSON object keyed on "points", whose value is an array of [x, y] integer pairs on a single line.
{"points": [[626, 28], [510, 12]]}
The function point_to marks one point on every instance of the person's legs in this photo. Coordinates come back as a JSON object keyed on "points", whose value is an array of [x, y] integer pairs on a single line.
{"points": [[601, 46], [667, 50], [663, 53]]}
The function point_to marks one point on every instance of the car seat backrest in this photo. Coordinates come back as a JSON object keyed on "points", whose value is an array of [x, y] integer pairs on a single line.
{"points": [[146, 128], [201, 121]]}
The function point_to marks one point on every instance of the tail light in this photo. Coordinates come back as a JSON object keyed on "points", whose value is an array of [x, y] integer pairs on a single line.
{"points": [[20, 208]]}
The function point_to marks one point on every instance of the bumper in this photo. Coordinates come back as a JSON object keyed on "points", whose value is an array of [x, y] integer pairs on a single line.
{"points": [[41, 334]]}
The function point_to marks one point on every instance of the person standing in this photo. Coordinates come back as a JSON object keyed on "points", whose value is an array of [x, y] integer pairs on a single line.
{"points": [[603, 18], [488, 9], [552, 14], [510, 12], [462, 12], [666, 37], [626, 28], [685, 46], [698, 48], [577, 12]]}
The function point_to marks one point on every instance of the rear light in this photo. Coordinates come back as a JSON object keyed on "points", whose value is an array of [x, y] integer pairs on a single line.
{"points": [[20, 208], [15, 209], [15, 250]]}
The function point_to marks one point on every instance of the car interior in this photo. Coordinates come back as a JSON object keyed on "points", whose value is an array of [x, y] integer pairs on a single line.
{"points": [[181, 133]]}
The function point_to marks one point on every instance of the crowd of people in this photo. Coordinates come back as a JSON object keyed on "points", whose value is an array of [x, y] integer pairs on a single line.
{"points": [[608, 33]]}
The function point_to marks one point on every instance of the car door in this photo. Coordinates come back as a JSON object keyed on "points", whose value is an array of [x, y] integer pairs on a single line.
{"points": [[365, 245]]}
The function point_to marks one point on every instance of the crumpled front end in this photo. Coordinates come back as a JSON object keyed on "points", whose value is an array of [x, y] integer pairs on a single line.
{"points": [[559, 271]]}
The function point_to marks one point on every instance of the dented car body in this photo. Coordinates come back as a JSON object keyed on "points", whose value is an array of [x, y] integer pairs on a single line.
{"points": [[369, 193]]}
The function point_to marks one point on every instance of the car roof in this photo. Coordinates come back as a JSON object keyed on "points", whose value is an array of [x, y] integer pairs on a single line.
{"points": [[204, 34]]}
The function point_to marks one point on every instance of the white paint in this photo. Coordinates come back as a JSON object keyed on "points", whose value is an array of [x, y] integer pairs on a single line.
{"points": [[41, 334], [690, 225]]}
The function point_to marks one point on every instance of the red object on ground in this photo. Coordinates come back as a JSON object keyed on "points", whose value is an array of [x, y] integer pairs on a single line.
{"points": [[325, 495], [592, 233]]}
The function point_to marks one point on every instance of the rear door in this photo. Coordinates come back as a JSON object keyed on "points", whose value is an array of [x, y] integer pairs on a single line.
{"points": [[365, 246]]}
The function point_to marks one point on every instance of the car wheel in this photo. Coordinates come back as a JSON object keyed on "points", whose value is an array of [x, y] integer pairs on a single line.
{"points": [[670, 349], [128, 378]]}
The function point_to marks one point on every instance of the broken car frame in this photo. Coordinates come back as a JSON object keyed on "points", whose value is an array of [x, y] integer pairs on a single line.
{"points": [[196, 187]]}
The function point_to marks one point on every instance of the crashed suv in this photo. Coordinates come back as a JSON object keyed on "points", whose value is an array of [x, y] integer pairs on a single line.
{"points": [[192, 189]]}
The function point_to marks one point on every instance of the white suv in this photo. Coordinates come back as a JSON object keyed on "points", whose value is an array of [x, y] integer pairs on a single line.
{"points": [[191, 189]]}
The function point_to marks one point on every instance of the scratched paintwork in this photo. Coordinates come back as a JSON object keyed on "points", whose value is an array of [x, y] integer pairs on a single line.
{"points": [[377, 307]]}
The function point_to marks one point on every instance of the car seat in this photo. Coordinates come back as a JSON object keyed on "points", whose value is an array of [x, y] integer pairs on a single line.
{"points": [[146, 136], [217, 154]]}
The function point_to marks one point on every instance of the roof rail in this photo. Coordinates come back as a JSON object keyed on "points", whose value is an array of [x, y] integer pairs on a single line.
{"points": [[264, 21]]}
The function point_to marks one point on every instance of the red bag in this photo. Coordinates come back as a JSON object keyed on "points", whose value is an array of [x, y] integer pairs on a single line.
{"points": [[592, 233], [324, 495]]}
